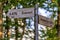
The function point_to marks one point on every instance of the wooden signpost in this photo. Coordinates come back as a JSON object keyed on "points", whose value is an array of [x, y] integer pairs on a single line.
{"points": [[31, 12]]}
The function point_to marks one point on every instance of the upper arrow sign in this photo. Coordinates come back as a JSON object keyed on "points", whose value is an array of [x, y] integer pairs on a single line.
{"points": [[21, 13]]}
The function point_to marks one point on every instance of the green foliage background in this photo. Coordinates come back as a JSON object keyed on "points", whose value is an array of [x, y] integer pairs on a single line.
{"points": [[8, 4]]}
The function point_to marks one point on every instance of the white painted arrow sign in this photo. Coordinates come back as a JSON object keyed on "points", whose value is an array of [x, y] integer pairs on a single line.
{"points": [[21, 13]]}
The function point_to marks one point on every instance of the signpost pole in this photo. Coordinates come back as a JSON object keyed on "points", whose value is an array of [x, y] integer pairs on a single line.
{"points": [[36, 21]]}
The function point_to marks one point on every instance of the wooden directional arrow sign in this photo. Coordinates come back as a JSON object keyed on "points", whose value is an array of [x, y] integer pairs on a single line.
{"points": [[21, 13], [46, 21]]}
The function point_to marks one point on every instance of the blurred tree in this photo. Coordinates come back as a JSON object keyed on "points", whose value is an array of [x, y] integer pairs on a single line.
{"points": [[58, 21]]}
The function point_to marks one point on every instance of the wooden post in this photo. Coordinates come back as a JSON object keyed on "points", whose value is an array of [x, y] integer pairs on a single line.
{"points": [[36, 21]]}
